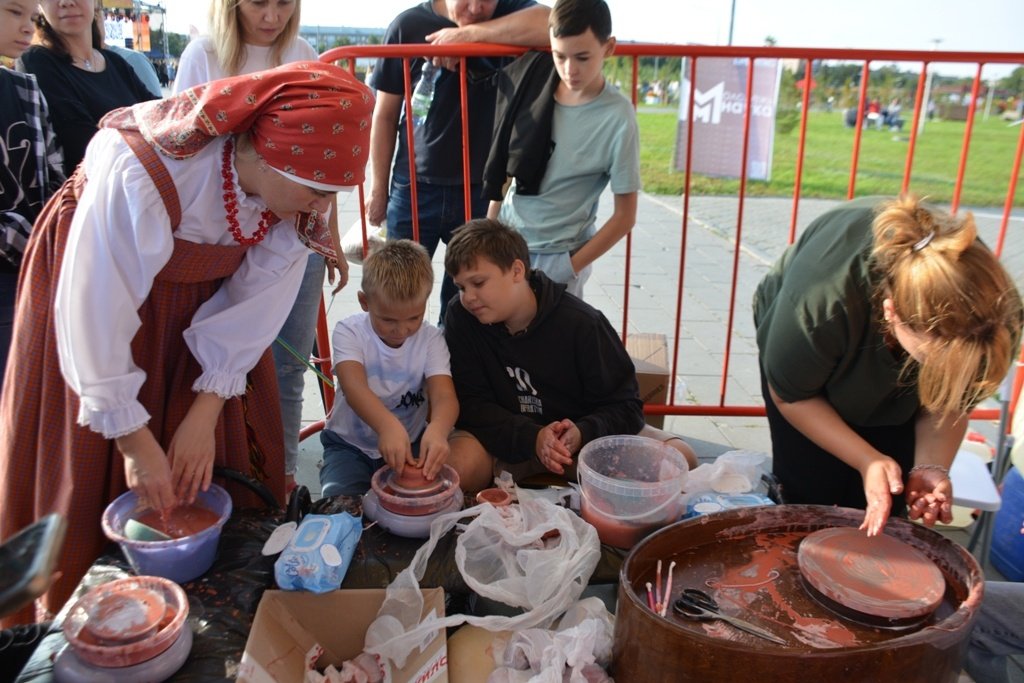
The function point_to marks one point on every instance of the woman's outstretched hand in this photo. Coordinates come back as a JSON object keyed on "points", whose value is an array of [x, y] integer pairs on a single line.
{"points": [[930, 495], [882, 479]]}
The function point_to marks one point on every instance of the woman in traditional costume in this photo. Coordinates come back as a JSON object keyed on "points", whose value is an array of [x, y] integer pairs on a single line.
{"points": [[248, 36], [152, 287]]}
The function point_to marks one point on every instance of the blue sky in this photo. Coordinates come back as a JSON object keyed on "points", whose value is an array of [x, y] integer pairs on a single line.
{"points": [[991, 25]]}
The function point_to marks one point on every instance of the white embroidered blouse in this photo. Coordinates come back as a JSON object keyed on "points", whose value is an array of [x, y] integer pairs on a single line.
{"points": [[120, 238]]}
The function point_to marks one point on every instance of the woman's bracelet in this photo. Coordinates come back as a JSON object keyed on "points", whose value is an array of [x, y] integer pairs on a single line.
{"points": [[931, 466]]}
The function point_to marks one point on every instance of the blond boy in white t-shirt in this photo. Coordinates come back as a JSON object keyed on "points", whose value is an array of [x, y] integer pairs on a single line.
{"points": [[396, 400]]}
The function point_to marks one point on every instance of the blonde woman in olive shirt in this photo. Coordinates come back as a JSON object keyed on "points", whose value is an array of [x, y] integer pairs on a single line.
{"points": [[878, 331]]}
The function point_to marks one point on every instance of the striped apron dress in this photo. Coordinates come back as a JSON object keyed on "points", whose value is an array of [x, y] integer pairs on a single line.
{"points": [[48, 463]]}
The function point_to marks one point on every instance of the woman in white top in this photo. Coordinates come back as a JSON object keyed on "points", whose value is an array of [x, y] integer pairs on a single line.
{"points": [[151, 289], [247, 36]]}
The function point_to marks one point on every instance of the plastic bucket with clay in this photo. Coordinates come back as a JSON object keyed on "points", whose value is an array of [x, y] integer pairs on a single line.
{"points": [[179, 559]]}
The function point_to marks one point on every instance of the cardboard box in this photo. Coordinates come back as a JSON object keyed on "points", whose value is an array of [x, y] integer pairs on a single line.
{"points": [[650, 356], [288, 624]]}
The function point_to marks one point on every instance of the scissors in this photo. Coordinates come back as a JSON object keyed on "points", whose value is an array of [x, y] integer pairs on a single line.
{"points": [[698, 605]]}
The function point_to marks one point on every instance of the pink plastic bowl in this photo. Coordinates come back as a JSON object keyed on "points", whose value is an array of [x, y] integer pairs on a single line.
{"points": [[433, 498]]}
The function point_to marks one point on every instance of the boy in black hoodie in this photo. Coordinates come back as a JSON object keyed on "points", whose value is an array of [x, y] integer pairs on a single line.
{"points": [[538, 372]]}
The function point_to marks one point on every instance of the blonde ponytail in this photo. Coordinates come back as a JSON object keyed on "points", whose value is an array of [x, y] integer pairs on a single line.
{"points": [[945, 283]]}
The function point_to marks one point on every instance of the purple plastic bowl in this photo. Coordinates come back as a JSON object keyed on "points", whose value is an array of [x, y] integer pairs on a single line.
{"points": [[180, 559]]}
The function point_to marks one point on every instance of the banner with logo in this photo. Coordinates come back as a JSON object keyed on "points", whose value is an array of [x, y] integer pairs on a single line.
{"points": [[719, 106]]}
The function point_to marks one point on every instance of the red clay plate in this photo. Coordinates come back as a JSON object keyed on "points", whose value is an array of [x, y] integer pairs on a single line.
{"points": [[879, 576], [126, 615]]}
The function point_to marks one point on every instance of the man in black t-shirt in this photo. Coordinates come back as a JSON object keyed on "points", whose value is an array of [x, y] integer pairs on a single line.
{"points": [[438, 140]]}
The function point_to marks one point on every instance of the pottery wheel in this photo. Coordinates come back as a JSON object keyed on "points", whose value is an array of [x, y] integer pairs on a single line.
{"points": [[877, 576]]}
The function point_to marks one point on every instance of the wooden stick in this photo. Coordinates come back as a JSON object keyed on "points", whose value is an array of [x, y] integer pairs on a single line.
{"points": [[668, 588], [657, 588]]}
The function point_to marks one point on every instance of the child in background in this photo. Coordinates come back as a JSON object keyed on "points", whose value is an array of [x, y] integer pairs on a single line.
{"points": [[539, 373], [563, 137], [32, 168], [396, 397]]}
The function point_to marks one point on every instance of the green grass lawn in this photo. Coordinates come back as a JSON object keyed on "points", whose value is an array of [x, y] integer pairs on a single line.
{"points": [[828, 157]]}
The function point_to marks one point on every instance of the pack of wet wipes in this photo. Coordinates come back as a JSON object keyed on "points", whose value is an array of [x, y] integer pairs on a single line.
{"points": [[319, 553]]}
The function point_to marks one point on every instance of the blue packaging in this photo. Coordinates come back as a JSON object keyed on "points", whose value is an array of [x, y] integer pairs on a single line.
{"points": [[318, 555], [1007, 553], [716, 502]]}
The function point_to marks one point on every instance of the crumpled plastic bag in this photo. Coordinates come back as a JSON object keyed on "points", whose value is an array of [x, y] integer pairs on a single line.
{"points": [[500, 554], [731, 472], [352, 241], [579, 651]]}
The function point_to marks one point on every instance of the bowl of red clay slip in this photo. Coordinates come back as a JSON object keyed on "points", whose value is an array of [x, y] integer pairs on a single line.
{"points": [[126, 622], [193, 530]]}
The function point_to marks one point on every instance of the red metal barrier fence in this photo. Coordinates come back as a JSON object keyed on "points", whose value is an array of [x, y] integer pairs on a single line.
{"points": [[694, 55]]}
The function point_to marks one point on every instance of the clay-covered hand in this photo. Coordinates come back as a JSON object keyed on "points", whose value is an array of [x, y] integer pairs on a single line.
{"points": [[394, 446], [930, 496], [191, 453], [551, 452], [146, 469], [433, 451], [882, 479]]}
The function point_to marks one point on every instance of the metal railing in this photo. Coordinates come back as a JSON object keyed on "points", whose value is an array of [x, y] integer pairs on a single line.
{"points": [[694, 54]]}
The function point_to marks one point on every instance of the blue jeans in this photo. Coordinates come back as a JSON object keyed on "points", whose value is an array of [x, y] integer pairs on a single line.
{"points": [[998, 631], [299, 330], [347, 469], [441, 210]]}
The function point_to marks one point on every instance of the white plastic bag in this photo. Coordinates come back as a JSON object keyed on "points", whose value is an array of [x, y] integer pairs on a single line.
{"points": [[732, 472], [507, 554], [352, 241], [577, 652]]}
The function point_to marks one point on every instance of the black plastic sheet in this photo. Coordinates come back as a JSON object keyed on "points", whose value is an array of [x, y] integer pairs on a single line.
{"points": [[222, 602]]}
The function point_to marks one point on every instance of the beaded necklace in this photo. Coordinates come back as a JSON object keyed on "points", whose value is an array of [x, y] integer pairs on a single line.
{"points": [[231, 204]]}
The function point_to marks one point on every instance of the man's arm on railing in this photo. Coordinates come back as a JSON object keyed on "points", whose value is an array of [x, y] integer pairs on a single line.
{"points": [[527, 27], [383, 139]]}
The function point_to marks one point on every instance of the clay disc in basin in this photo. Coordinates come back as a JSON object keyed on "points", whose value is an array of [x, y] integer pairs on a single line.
{"points": [[126, 615], [413, 482], [877, 576]]}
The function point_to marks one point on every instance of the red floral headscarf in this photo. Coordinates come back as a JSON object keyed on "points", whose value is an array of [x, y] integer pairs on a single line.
{"points": [[309, 120]]}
